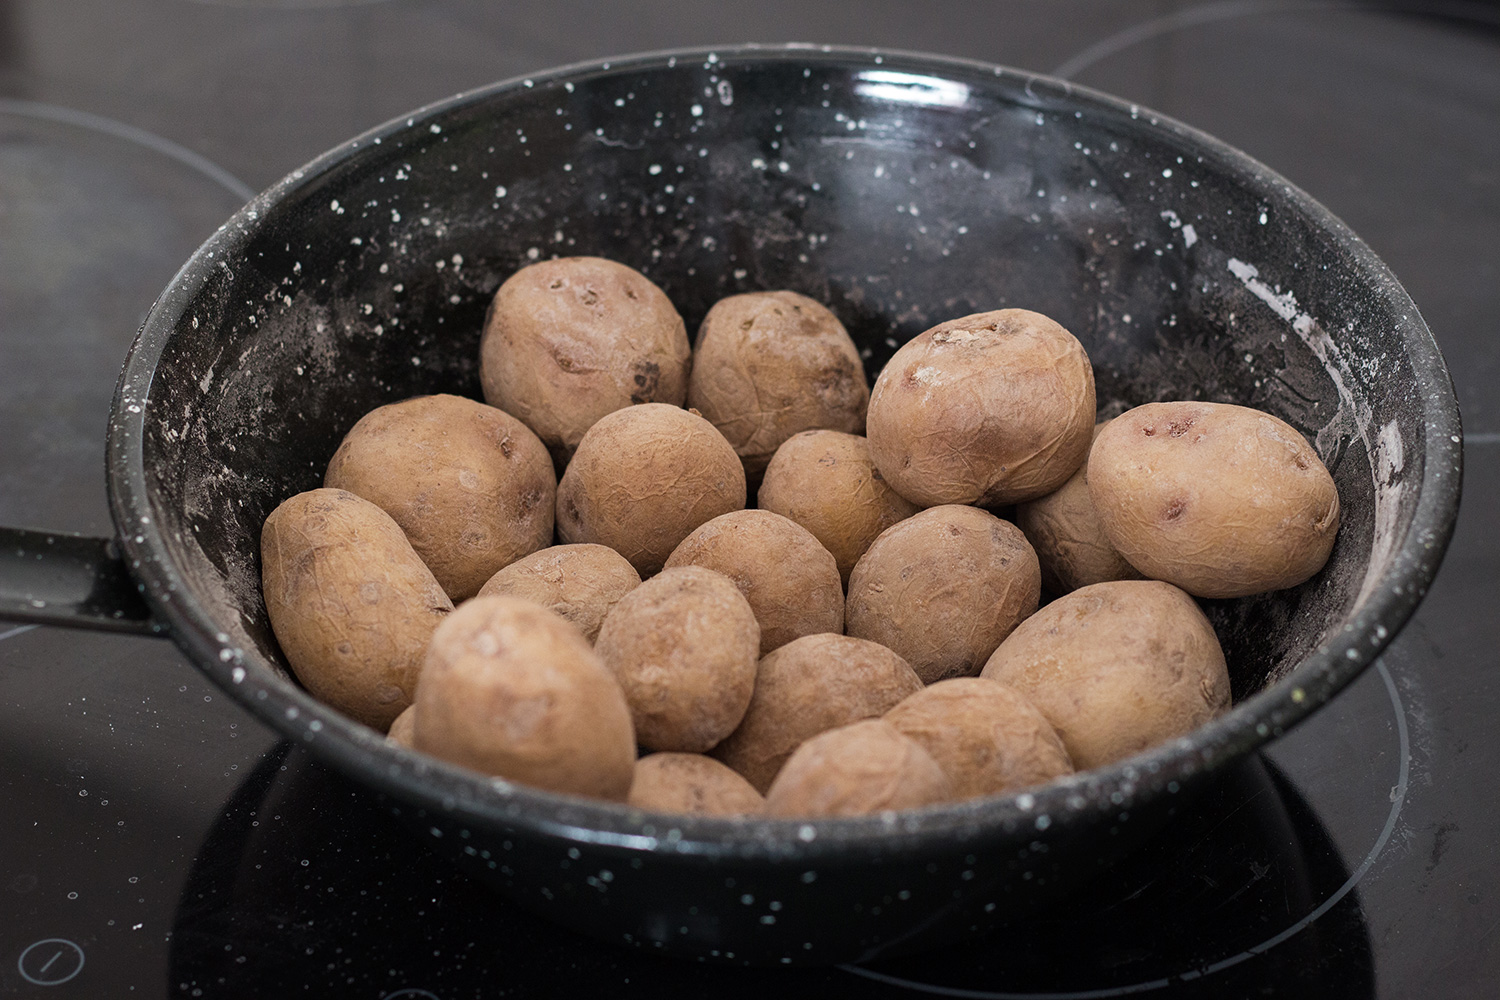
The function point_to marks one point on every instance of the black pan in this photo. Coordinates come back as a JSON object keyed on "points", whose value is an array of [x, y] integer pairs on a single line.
{"points": [[902, 190]]}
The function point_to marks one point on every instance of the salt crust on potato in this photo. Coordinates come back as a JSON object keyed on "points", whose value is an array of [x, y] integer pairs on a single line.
{"points": [[683, 647], [861, 768], [580, 582], [643, 478], [470, 485], [510, 689], [351, 604], [989, 409], [826, 482], [790, 580], [942, 588], [1117, 668], [569, 340], [987, 736], [691, 783], [808, 686], [1222, 500], [769, 364]]}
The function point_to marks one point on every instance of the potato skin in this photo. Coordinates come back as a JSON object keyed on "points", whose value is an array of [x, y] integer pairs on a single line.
{"points": [[471, 486], [1117, 668], [580, 582], [790, 580], [942, 588], [987, 736], [827, 482], [857, 769], [511, 689], [769, 364], [569, 340], [401, 729], [808, 686], [1069, 539], [989, 409], [350, 602], [691, 783], [683, 647], [643, 478]]}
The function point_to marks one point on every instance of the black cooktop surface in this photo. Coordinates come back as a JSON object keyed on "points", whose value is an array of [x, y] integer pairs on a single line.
{"points": [[156, 841]]}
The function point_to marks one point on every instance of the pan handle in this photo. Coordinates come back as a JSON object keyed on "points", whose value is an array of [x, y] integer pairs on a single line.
{"points": [[49, 578]]}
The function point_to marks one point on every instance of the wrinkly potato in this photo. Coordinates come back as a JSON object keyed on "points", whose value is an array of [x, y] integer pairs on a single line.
{"points": [[683, 647], [861, 768], [769, 364], [471, 486], [989, 409], [826, 482], [1221, 500], [567, 341], [808, 686], [580, 582], [987, 736], [351, 604], [508, 688], [1069, 540], [402, 727], [691, 783], [1117, 668], [643, 478], [790, 580], [942, 588]]}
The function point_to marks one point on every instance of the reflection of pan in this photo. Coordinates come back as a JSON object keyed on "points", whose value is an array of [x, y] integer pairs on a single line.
{"points": [[305, 885], [901, 189]]}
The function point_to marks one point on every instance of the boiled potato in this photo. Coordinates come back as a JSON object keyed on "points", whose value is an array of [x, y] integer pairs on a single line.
{"points": [[580, 582], [790, 580], [683, 646], [826, 482], [1221, 500], [691, 783], [808, 686], [401, 729], [510, 689], [643, 478], [567, 341], [769, 364], [1117, 668], [861, 768], [470, 485], [989, 409], [349, 601], [942, 588]]}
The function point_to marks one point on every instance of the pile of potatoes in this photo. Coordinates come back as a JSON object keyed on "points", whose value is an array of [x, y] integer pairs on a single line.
{"points": [[870, 636]]}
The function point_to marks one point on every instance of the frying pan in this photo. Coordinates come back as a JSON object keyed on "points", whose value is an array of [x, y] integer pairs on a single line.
{"points": [[901, 190]]}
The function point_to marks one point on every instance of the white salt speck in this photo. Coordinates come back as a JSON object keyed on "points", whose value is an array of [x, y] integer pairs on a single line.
{"points": [[500, 191], [1263, 218], [654, 169], [696, 111], [435, 129], [238, 675], [1167, 172], [807, 833]]}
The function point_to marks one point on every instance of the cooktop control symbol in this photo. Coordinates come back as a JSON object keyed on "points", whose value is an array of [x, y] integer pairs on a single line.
{"points": [[50, 962]]}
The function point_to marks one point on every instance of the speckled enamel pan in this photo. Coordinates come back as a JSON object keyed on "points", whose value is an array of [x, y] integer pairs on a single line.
{"points": [[900, 189]]}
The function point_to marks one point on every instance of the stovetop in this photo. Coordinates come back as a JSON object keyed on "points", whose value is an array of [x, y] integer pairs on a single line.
{"points": [[157, 841]]}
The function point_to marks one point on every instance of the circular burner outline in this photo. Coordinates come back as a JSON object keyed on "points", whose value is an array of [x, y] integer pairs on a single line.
{"points": [[1398, 799]]}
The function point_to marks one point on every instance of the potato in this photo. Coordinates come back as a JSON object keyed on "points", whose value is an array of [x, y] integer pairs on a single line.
{"points": [[691, 783], [1117, 668], [988, 737], [769, 364], [471, 486], [643, 478], [349, 601], [401, 729], [580, 582], [861, 768], [508, 688], [683, 646], [790, 580], [1070, 542], [567, 341], [826, 482], [942, 588], [1221, 500], [808, 686], [990, 409]]}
